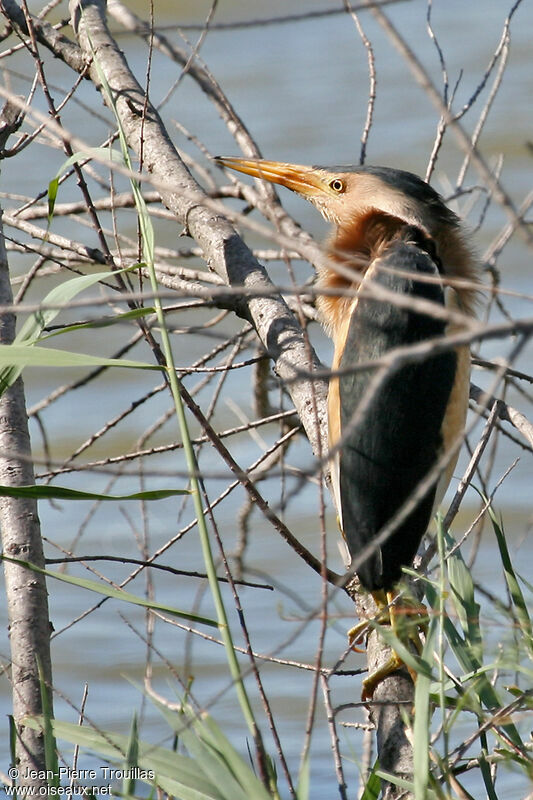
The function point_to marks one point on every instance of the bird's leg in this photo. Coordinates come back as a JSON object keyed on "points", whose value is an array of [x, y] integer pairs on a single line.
{"points": [[408, 619], [406, 622], [358, 632]]}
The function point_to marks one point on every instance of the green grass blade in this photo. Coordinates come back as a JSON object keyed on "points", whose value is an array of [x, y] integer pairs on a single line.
{"points": [[147, 237], [38, 492], [212, 737], [132, 758], [372, 790], [24, 356], [180, 776], [101, 322], [402, 783], [515, 592], [110, 591], [56, 300], [50, 747], [466, 650], [100, 153], [421, 726], [13, 739], [462, 595], [303, 786], [485, 770], [53, 302], [208, 744]]}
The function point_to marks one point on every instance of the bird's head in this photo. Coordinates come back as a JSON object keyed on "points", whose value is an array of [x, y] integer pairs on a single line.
{"points": [[348, 196], [344, 194]]}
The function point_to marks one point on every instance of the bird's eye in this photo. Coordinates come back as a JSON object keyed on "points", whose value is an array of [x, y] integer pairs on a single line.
{"points": [[337, 185]]}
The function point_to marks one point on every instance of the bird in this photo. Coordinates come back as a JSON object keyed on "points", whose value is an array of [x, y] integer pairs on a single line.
{"points": [[396, 257]]}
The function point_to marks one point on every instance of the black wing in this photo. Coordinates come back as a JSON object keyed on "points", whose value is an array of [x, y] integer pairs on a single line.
{"points": [[385, 457]]}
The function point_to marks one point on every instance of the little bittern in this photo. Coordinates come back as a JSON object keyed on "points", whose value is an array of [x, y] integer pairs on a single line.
{"points": [[394, 232]]}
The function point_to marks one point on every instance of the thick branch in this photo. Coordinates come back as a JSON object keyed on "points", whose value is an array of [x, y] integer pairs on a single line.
{"points": [[230, 258], [27, 602], [224, 251], [45, 34]]}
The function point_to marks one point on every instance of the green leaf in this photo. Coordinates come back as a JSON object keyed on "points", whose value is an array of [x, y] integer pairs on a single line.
{"points": [[421, 726], [203, 737], [63, 493], [373, 785], [24, 356], [132, 757], [52, 303], [519, 603], [186, 778], [50, 748], [110, 591], [102, 322], [462, 595], [484, 767], [100, 153], [481, 689], [401, 783], [304, 779], [13, 739], [209, 746], [176, 774]]}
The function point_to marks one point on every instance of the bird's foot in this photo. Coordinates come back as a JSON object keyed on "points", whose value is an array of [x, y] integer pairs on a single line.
{"points": [[357, 634], [393, 663], [407, 621]]}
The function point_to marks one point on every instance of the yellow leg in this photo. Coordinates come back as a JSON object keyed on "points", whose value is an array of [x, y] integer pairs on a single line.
{"points": [[358, 632], [399, 618]]}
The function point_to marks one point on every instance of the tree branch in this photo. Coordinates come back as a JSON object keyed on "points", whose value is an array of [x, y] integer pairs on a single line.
{"points": [[27, 601], [224, 251]]}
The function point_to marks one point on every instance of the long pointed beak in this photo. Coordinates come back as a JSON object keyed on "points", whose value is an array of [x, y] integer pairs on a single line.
{"points": [[296, 177]]}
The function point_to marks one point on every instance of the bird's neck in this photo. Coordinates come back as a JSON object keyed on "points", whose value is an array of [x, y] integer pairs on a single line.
{"points": [[355, 243]]}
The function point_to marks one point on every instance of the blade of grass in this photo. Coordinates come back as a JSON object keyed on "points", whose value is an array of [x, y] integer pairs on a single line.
{"points": [[304, 779], [213, 741], [147, 238], [24, 356], [50, 747], [462, 595], [421, 726], [176, 774], [57, 299], [372, 789], [110, 591], [102, 153], [479, 686], [198, 732], [13, 738], [442, 594], [101, 322], [484, 767], [132, 758], [38, 492], [53, 302], [515, 592]]}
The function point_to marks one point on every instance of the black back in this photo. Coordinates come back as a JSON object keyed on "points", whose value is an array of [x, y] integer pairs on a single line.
{"points": [[387, 455]]}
